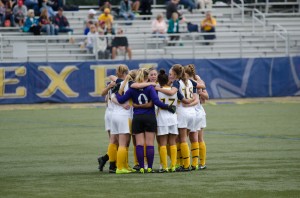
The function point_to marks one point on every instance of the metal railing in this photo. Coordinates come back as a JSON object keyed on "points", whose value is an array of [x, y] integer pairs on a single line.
{"points": [[239, 6], [281, 32], [262, 21]]}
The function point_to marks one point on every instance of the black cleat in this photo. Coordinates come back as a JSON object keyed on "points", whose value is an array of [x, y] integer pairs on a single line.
{"points": [[194, 168], [101, 163], [163, 170], [136, 167], [202, 167], [112, 170]]}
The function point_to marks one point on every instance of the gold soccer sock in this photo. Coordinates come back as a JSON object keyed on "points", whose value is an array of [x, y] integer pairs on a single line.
{"points": [[168, 151], [163, 156], [185, 153], [173, 152], [202, 153], [126, 165], [158, 149], [195, 153], [121, 157], [112, 152], [179, 158]]}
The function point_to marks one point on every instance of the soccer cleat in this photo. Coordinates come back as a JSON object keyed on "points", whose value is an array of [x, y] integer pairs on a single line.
{"points": [[142, 170], [178, 168], [150, 170], [122, 171], [195, 167], [163, 170], [186, 169], [137, 167], [172, 169], [131, 169], [101, 163], [112, 170], [202, 167]]}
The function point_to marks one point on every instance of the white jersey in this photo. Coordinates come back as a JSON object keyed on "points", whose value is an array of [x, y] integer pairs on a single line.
{"points": [[188, 93], [118, 109], [164, 117]]}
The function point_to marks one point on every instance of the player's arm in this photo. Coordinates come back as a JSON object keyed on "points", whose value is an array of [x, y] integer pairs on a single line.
{"points": [[194, 102], [169, 92], [113, 78], [204, 95], [146, 105], [124, 105], [122, 99], [107, 88], [142, 85]]}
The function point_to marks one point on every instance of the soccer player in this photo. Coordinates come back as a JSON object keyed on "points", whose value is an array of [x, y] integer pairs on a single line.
{"points": [[187, 93], [167, 130], [200, 113], [144, 121], [111, 155], [121, 127]]}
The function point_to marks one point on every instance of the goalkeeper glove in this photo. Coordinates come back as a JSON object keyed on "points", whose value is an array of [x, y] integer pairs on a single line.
{"points": [[171, 108]]}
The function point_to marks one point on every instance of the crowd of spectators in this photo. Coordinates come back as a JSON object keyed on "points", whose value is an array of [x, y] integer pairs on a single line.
{"points": [[47, 16]]}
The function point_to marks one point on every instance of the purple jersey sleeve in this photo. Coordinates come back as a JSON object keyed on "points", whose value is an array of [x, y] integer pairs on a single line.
{"points": [[155, 98], [122, 99]]}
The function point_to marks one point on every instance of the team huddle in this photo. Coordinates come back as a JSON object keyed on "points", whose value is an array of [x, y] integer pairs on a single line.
{"points": [[143, 104]]}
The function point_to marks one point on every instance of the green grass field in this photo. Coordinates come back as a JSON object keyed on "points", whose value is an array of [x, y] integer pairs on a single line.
{"points": [[253, 150]]}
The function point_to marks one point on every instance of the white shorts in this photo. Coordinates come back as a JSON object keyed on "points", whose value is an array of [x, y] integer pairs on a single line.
{"points": [[165, 130], [200, 121], [120, 124], [187, 120], [107, 119]]}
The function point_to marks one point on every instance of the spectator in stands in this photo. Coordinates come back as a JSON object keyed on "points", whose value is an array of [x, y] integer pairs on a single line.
{"points": [[103, 51], [61, 22], [146, 8], [87, 28], [91, 38], [171, 8], [104, 4], [92, 16], [109, 33], [135, 6], [120, 44], [189, 4], [46, 25], [159, 26], [173, 28], [8, 19], [2, 13], [208, 25], [20, 11], [32, 4], [125, 10], [32, 24], [106, 17], [55, 4], [205, 3], [49, 9]]}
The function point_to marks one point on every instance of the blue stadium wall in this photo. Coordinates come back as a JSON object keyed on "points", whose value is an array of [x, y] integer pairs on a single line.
{"points": [[72, 82]]}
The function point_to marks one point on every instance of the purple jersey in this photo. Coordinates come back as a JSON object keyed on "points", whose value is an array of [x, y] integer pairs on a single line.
{"points": [[142, 96]]}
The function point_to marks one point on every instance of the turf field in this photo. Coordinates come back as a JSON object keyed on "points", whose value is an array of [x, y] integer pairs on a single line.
{"points": [[253, 150]]}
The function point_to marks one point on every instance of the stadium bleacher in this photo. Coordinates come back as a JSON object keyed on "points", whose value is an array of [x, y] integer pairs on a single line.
{"points": [[271, 34]]}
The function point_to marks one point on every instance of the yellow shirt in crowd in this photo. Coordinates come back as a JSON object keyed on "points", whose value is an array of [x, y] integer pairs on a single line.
{"points": [[211, 21], [108, 19]]}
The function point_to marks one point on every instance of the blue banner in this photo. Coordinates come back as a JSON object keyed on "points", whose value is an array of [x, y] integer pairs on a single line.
{"points": [[73, 82]]}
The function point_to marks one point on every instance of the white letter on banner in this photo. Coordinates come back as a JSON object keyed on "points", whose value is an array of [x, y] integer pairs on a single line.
{"points": [[20, 91], [58, 81]]}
